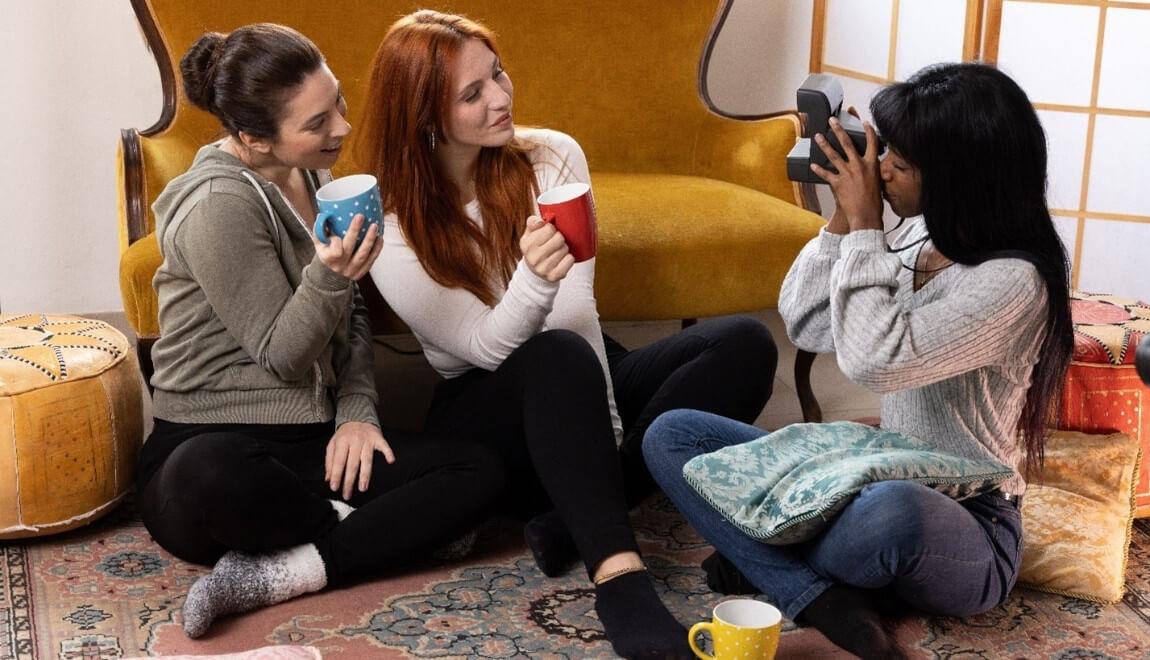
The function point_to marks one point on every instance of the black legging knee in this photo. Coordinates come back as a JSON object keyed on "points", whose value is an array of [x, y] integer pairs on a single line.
{"points": [[545, 409], [724, 366], [261, 488]]}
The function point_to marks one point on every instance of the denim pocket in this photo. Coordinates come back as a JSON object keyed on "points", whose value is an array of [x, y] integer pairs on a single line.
{"points": [[1002, 521], [1007, 534]]}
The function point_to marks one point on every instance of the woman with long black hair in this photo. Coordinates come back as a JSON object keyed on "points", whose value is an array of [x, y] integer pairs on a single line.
{"points": [[963, 325]]}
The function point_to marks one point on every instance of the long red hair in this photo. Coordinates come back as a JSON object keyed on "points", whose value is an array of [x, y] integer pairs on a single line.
{"points": [[408, 98]]}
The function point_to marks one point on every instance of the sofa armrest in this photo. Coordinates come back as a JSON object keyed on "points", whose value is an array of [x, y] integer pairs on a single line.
{"points": [[138, 265], [130, 197]]}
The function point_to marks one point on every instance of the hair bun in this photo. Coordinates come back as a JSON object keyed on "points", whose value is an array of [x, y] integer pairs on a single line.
{"points": [[198, 68]]}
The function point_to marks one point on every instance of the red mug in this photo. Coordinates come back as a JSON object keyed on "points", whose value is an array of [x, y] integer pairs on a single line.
{"points": [[572, 208]]}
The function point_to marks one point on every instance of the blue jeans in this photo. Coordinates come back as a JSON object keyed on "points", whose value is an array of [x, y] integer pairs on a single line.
{"points": [[939, 555]]}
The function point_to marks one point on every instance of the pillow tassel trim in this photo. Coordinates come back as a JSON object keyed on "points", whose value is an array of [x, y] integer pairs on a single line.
{"points": [[780, 535], [784, 487]]}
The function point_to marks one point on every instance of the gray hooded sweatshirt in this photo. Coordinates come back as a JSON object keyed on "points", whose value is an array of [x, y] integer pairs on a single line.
{"points": [[253, 327]]}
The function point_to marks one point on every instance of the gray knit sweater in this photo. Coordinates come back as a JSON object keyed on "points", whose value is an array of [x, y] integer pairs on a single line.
{"points": [[253, 327], [952, 360]]}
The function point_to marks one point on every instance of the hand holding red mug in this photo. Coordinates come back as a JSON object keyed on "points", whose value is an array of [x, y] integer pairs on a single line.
{"points": [[571, 208], [545, 250]]}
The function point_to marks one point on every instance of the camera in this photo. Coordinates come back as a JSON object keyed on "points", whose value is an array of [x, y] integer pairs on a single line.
{"points": [[819, 98]]}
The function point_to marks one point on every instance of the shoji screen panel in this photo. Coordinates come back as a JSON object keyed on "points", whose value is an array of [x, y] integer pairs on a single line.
{"points": [[1083, 63], [869, 43]]}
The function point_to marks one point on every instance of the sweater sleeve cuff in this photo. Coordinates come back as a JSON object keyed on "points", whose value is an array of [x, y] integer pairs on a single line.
{"points": [[536, 287], [864, 240], [356, 408], [325, 278]]}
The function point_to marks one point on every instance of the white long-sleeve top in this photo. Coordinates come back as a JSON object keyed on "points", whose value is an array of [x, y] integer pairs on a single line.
{"points": [[952, 360], [457, 330]]}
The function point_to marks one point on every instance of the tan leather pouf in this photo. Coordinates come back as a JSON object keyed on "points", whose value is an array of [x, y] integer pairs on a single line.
{"points": [[71, 422]]}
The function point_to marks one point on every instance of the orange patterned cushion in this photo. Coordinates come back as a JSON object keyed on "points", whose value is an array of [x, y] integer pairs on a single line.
{"points": [[1076, 519], [1103, 393], [1107, 329]]}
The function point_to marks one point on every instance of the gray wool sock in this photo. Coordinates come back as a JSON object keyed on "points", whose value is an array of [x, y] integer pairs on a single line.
{"points": [[241, 582]]}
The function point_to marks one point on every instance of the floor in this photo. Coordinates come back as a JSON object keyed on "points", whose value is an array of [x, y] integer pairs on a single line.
{"points": [[405, 381], [77, 584]]}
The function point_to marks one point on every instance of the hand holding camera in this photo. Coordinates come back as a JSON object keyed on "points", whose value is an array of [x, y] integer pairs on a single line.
{"points": [[853, 177], [820, 98]]}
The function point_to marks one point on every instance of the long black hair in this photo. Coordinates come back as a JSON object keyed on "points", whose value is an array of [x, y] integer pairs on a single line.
{"points": [[981, 152]]}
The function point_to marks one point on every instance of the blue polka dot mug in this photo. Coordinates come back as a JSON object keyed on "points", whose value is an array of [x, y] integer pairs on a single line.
{"points": [[340, 201]]}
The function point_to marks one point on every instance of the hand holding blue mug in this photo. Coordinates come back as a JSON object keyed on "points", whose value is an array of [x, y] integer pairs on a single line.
{"points": [[341, 200]]}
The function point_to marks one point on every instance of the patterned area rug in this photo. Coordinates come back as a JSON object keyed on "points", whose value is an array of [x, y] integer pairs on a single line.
{"points": [[107, 591]]}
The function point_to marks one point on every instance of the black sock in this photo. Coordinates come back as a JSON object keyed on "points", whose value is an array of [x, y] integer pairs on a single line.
{"points": [[724, 578], [636, 621], [847, 616], [551, 544]]}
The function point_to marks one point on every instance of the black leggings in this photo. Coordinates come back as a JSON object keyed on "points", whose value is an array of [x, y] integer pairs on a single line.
{"points": [[544, 409], [724, 366], [259, 488]]}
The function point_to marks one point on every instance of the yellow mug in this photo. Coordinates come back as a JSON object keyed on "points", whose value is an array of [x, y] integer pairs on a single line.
{"points": [[740, 628]]}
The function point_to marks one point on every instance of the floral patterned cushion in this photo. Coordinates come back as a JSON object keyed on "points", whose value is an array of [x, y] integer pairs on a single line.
{"points": [[1076, 519], [1103, 393], [1107, 328], [786, 486]]}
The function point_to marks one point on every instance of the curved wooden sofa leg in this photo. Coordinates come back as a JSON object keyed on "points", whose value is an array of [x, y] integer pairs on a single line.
{"points": [[810, 405]]}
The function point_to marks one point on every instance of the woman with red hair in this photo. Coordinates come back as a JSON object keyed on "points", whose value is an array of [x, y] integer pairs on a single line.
{"points": [[505, 314]]}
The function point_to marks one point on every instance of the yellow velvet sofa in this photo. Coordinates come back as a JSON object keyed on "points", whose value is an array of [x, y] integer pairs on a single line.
{"points": [[697, 217]]}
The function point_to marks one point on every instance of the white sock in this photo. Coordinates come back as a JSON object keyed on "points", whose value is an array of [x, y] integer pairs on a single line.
{"points": [[241, 582], [342, 509]]}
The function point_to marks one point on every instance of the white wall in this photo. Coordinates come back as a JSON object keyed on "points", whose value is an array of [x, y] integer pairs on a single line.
{"points": [[74, 72], [762, 56], [77, 71]]}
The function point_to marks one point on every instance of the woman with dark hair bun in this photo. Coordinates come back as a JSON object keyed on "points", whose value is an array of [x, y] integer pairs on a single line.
{"points": [[267, 459], [962, 324]]}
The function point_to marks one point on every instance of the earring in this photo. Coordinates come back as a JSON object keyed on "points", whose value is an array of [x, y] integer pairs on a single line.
{"points": [[431, 139]]}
